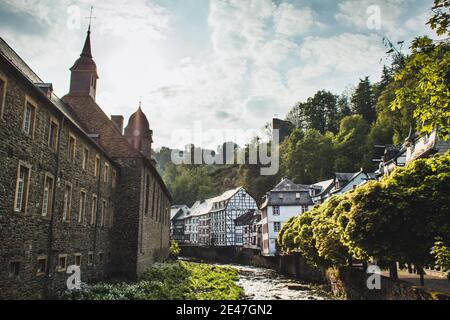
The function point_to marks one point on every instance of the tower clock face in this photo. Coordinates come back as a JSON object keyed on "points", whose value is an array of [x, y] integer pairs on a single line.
{"points": [[136, 133]]}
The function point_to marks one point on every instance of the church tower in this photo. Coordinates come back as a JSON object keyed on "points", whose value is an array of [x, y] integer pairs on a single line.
{"points": [[138, 133], [83, 80]]}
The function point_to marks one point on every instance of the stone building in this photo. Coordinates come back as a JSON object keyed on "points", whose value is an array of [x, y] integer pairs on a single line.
{"points": [[74, 190]]}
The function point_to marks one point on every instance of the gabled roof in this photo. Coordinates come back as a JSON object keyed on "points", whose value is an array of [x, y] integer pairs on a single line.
{"points": [[203, 207], [287, 193], [248, 218], [287, 185], [226, 195], [16, 61], [200, 208], [178, 212]]}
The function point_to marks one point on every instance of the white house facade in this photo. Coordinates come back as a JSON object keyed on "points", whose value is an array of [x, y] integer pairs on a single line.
{"points": [[285, 201]]}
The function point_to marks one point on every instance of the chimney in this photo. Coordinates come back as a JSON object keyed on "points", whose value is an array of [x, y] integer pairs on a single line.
{"points": [[118, 122]]}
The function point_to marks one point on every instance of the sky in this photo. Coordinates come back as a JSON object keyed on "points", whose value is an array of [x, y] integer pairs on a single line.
{"points": [[199, 65]]}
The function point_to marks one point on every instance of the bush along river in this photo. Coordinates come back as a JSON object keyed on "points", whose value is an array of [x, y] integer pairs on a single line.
{"points": [[267, 284], [188, 280]]}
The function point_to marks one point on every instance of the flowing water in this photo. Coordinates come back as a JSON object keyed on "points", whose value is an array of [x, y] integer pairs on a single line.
{"points": [[267, 284]]}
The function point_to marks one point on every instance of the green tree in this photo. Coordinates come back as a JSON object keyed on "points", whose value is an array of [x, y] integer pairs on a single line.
{"points": [[429, 93], [363, 100], [440, 21], [319, 112], [188, 183], [343, 106], [401, 218], [327, 233], [307, 157], [350, 144]]}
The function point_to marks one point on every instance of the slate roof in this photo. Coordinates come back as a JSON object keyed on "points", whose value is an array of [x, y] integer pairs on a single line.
{"points": [[286, 193], [203, 207], [250, 217], [17, 62], [179, 212]]}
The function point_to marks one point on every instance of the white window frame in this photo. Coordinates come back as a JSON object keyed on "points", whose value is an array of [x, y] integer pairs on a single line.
{"points": [[25, 190], [3, 95], [97, 165], [72, 151], [32, 120], [94, 209], [85, 159], [276, 210], [53, 121], [106, 173], [40, 272], [277, 223], [82, 208], [47, 198], [67, 202], [64, 268]]}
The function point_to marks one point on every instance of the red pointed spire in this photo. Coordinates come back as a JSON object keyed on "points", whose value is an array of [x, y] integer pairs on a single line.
{"points": [[87, 45]]}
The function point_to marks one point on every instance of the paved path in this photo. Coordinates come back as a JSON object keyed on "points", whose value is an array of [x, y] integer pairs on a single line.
{"points": [[432, 283]]}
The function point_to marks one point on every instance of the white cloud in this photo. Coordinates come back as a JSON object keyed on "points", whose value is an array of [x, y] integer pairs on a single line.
{"points": [[291, 21], [258, 57]]}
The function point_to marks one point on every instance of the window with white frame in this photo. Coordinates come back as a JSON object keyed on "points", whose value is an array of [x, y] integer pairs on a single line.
{"points": [[276, 210], [29, 118], [94, 209], [47, 201], [85, 159], [276, 226], [22, 188], [3, 84], [67, 202], [82, 208], [72, 145], [106, 173], [97, 166], [41, 267], [304, 208], [53, 134], [62, 262]]}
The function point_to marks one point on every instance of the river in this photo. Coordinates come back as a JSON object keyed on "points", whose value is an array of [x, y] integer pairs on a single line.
{"points": [[267, 284]]}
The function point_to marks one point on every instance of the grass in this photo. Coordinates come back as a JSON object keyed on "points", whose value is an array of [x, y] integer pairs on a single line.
{"points": [[169, 281]]}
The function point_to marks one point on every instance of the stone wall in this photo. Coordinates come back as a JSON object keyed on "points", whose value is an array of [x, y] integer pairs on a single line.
{"points": [[351, 284], [27, 235], [24, 236]]}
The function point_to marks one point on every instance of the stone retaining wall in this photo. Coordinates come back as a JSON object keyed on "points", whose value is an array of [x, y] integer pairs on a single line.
{"points": [[344, 283]]}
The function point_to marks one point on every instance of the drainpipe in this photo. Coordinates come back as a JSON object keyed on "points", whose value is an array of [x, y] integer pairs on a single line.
{"points": [[52, 213]]}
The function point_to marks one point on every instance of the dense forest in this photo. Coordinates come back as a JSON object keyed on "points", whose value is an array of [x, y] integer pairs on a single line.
{"points": [[337, 133]]}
